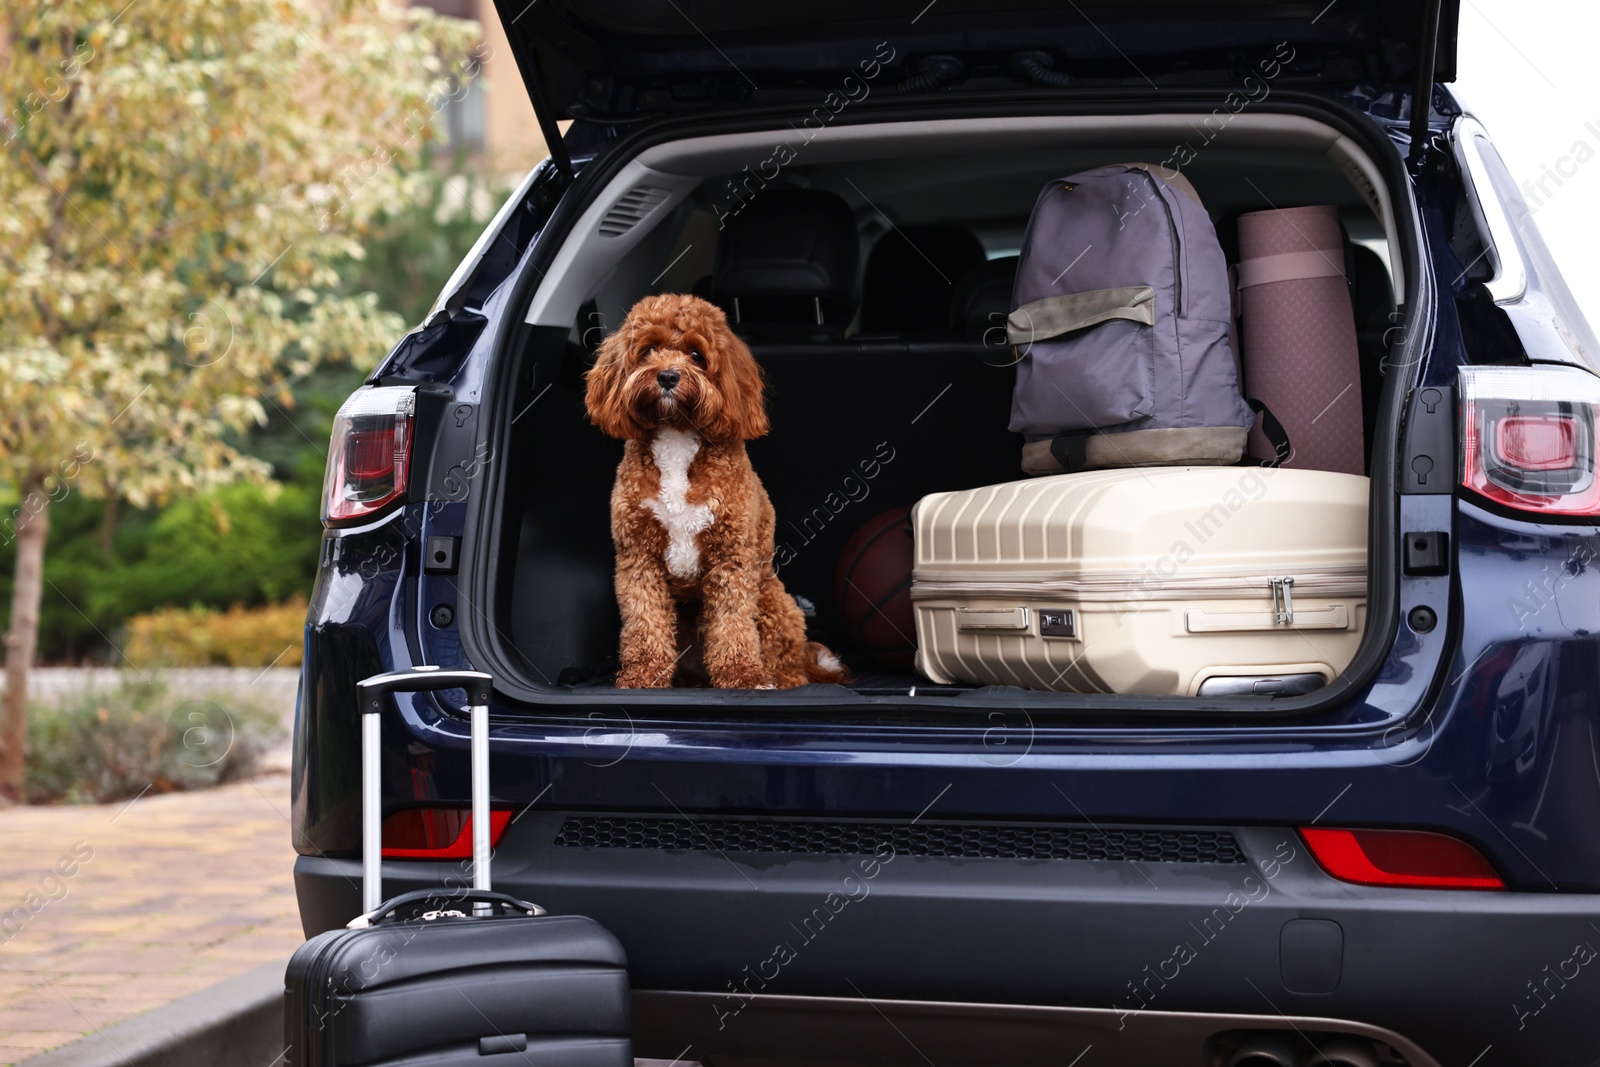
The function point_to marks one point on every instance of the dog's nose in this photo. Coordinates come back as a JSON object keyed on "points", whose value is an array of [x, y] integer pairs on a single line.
{"points": [[667, 378]]}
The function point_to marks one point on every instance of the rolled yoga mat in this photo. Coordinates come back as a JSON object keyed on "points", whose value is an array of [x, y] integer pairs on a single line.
{"points": [[1300, 354]]}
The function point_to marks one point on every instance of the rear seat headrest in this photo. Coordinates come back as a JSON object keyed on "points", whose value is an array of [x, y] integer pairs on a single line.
{"points": [[910, 277], [982, 299], [787, 266]]}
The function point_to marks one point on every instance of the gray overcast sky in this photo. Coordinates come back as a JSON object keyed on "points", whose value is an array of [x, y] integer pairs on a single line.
{"points": [[1529, 71]]}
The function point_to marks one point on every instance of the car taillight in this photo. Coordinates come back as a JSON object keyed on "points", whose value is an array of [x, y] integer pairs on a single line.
{"points": [[1537, 442], [1528, 438], [436, 833], [370, 452], [1408, 858]]}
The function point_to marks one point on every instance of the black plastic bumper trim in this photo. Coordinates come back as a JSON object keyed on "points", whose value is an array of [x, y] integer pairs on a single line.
{"points": [[850, 837], [776, 1031]]}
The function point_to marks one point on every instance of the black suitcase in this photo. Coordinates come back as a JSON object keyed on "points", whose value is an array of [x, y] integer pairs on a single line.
{"points": [[457, 975]]}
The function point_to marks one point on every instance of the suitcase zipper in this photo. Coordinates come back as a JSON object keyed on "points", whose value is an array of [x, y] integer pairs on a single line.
{"points": [[1283, 601], [1139, 586]]}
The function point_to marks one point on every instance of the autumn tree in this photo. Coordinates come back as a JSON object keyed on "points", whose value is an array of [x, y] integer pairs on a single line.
{"points": [[179, 181]]}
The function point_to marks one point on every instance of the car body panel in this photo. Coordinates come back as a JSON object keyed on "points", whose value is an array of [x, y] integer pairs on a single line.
{"points": [[1482, 726]]}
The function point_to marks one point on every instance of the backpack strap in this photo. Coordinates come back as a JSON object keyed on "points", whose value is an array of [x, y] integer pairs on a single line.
{"points": [[1052, 316], [1275, 434], [1070, 450], [1176, 179]]}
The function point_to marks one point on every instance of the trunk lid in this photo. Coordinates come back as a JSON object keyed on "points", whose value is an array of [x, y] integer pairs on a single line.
{"points": [[625, 60]]}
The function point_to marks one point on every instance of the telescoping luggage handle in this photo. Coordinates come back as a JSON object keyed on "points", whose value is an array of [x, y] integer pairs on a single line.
{"points": [[374, 693]]}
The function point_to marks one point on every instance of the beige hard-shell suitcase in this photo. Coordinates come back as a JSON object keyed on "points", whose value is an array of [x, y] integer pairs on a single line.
{"points": [[1166, 580]]}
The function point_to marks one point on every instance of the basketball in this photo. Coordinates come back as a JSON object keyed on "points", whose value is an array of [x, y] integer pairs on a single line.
{"points": [[873, 590]]}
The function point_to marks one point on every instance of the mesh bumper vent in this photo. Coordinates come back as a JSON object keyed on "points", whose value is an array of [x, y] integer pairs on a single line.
{"points": [[957, 840]]}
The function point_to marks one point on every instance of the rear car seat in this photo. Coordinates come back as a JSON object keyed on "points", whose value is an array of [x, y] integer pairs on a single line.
{"points": [[982, 300], [910, 277], [858, 425], [787, 266]]}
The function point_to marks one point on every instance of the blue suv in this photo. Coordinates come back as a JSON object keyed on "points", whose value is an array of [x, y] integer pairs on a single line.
{"points": [[1399, 867]]}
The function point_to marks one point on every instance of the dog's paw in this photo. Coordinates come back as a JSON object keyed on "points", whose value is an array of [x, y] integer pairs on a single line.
{"points": [[789, 678], [644, 678], [742, 679]]}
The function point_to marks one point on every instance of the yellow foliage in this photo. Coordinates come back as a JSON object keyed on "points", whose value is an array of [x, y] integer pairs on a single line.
{"points": [[158, 280], [204, 637]]}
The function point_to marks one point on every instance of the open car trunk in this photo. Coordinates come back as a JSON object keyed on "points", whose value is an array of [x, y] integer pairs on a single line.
{"points": [[886, 414]]}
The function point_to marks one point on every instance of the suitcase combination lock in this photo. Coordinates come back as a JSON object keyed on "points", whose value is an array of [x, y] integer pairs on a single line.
{"points": [[1057, 622]]}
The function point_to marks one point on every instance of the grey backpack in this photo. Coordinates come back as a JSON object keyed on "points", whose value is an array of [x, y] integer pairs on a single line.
{"points": [[1121, 328]]}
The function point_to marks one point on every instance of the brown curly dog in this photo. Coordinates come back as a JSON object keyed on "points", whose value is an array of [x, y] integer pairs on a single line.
{"points": [[691, 521]]}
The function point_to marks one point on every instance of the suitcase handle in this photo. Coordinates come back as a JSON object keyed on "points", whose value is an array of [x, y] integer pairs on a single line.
{"points": [[372, 693], [436, 897], [424, 679]]}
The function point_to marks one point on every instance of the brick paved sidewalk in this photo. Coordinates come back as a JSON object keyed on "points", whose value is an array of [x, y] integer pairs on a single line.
{"points": [[178, 891], [181, 891]]}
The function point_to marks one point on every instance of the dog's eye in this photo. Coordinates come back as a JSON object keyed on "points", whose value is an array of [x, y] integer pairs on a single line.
{"points": [[694, 354]]}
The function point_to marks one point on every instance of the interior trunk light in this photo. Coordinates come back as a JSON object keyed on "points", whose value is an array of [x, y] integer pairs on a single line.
{"points": [[1528, 438], [1408, 858], [436, 833], [369, 454]]}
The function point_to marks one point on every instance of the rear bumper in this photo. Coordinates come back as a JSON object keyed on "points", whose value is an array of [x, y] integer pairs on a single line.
{"points": [[765, 934], [857, 1031]]}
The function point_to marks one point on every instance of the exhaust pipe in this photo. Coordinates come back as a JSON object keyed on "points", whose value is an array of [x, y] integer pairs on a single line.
{"points": [[1343, 1052], [1268, 1050]]}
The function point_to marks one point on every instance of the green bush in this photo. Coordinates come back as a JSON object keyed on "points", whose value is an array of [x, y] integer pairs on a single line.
{"points": [[203, 637], [248, 545], [242, 544], [102, 746]]}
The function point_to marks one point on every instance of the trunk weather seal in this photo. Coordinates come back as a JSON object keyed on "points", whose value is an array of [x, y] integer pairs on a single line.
{"points": [[485, 519]]}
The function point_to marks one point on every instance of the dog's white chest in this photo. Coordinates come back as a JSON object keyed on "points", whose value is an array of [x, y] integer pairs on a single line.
{"points": [[673, 451]]}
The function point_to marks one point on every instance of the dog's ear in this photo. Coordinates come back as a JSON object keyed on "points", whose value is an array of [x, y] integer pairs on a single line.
{"points": [[605, 382], [743, 415]]}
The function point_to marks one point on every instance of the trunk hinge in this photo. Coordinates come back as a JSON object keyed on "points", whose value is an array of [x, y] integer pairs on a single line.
{"points": [[1422, 92]]}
